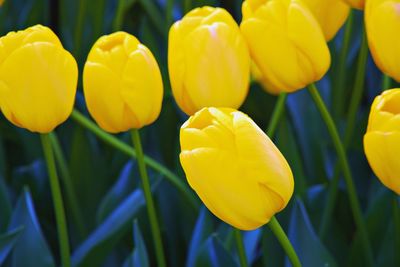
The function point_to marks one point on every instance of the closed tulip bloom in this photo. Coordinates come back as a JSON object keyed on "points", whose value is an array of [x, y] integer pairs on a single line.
{"points": [[234, 167], [359, 4], [330, 14], [208, 61], [382, 140], [382, 22], [122, 83], [286, 43], [38, 79]]}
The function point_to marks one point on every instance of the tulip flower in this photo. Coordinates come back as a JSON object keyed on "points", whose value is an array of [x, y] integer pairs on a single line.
{"points": [[359, 4], [286, 43], [208, 61], [330, 14], [122, 83], [38, 79], [382, 22], [382, 139], [234, 167]]}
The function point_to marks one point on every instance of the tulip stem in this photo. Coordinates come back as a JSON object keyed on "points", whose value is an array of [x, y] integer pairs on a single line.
{"points": [[355, 205], [57, 201], [276, 228], [240, 248], [127, 150], [341, 70], [69, 188], [149, 199], [276, 115], [354, 105], [386, 82]]}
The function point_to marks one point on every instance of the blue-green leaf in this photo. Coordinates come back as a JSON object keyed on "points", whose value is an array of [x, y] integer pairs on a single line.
{"points": [[7, 242], [139, 255], [31, 248], [201, 231], [121, 189], [306, 243], [214, 254], [93, 250]]}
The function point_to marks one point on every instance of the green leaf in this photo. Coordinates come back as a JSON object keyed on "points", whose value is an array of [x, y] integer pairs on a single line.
{"points": [[103, 239], [214, 254], [139, 255], [7, 242], [121, 189], [306, 243], [5, 205], [31, 249]]}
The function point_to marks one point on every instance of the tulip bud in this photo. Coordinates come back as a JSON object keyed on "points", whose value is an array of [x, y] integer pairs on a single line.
{"points": [[382, 139], [208, 61], [38, 79], [286, 43], [122, 83], [382, 22], [359, 4], [330, 14], [234, 167]]}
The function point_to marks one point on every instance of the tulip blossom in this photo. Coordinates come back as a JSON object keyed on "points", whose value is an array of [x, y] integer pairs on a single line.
{"points": [[208, 61], [382, 139], [38, 79], [234, 167], [382, 23], [286, 43], [122, 83]]}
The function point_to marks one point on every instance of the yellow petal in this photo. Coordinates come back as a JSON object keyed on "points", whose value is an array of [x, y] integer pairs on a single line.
{"points": [[41, 79], [142, 89], [382, 151]]}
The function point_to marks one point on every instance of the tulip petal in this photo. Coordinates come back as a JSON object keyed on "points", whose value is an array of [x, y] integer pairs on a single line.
{"points": [[141, 85], [382, 151], [218, 180], [44, 97], [104, 101]]}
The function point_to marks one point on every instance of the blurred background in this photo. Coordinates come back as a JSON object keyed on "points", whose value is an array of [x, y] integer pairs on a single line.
{"points": [[106, 181]]}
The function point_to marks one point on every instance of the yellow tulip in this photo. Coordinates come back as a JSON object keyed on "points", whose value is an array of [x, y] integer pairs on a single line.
{"points": [[330, 14], [122, 83], [382, 140], [38, 79], [359, 4], [286, 43], [382, 22], [234, 167], [208, 61]]}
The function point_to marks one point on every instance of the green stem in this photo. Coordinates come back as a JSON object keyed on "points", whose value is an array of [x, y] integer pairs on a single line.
{"points": [[284, 241], [339, 88], [350, 125], [79, 27], [276, 115], [386, 82], [119, 16], [69, 188], [240, 248], [187, 6], [126, 149], [57, 201], [355, 205], [149, 199]]}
